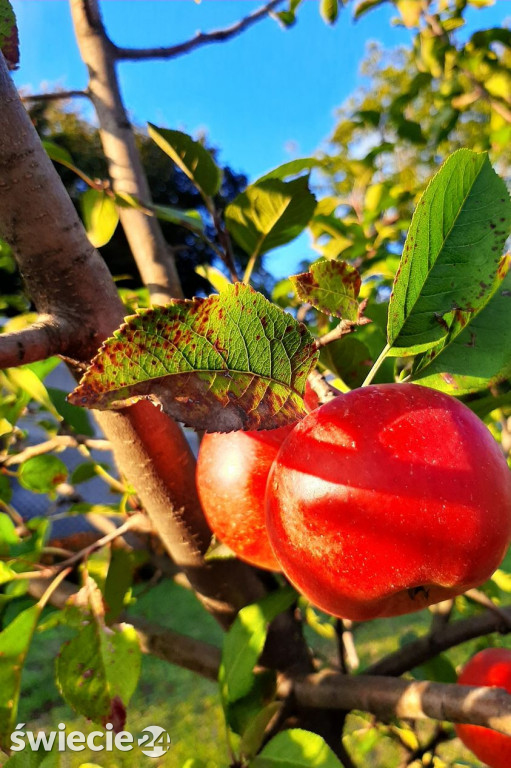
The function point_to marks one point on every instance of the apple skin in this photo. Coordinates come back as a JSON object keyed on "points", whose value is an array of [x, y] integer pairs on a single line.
{"points": [[232, 471], [491, 667], [388, 499]]}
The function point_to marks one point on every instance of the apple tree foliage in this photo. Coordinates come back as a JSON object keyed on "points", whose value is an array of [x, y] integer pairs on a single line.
{"points": [[408, 279]]}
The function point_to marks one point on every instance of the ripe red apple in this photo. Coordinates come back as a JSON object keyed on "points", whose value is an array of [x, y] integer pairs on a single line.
{"points": [[490, 667], [388, 499], [232, 470]]}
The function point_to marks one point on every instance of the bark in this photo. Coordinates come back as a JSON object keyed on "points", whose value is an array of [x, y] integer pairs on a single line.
{"points": [[71, 286], [152, 254]]}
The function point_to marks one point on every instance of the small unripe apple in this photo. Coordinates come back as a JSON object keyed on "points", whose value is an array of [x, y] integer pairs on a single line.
{"points": [[491, 667], [232, 471], [388, 499]]}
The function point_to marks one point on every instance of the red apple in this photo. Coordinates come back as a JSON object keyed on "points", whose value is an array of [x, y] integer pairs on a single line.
{"points": [[232, 470], [490, 667], [388, 499]]}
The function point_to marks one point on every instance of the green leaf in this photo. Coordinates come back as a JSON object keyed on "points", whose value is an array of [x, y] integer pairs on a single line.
{"points": [[502, 580], [98, 670], [240, 714], [296, 749], [191, 157], [349, 358], [9, 43], [5, 489], [477, 352], [74, 417], [58, 154], [289, 169], [253, 736], [451, 254], [218, 280], [270, 213], [25, 379], [6, 573], [329, 10], [8, 535], [41, 474], [100, 216], [15, 641], [232, 361], [189, 219], [332, 287], [244, 642], [118, 583], [84, 472], [439, 670], [366, 5]]}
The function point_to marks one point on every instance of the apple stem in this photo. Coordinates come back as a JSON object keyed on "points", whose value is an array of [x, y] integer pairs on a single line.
{"points": [[374, 370]]}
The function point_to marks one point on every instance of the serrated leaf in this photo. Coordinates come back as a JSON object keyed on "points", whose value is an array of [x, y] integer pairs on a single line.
{"points": [[9, 42], [296, 749], [329, 10], [244, 642], [100, 216], [41, 474], [475, 355], [269, 214], [15, 641], [332, 287], [191, 157], [232, 361], [451, 254], [98, 670]]}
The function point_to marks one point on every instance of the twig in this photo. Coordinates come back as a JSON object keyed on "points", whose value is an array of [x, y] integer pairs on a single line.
{"points": [[51, 570], [481, 599], [417, 652], [321, 387], [200, 39], [54, 95], [344, 328], [57, 443]]}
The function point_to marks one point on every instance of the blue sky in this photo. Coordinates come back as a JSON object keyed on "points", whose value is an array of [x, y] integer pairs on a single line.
{"points": [[263, 98]]}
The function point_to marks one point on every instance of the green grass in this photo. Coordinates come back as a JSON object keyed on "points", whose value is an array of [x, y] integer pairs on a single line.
{"points": [[188, 706]]}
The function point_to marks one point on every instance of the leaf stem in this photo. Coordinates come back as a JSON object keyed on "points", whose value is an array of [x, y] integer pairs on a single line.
{"points": [[374, 370], [250, 266]]}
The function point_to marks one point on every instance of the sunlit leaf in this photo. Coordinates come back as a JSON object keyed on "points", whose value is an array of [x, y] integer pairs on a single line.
{"points": [[296, 748], [329, 10], [191, 157], [218, 280], [333, 288], [232, 361], [42, 474], [244, 642], [270, 213], [100, 216], [451, 254]]}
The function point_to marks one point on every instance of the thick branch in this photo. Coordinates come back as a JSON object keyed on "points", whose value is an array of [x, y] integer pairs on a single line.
{"points": [[39, 341], [388, 698], [152, 254], [200, 39]]}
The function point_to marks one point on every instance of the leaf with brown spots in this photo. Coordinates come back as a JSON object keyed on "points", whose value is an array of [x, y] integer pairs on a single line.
{"points": [[231, 361], [333, 288], [452, 253], [479, 355], [98, 670], [9, 42]]}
